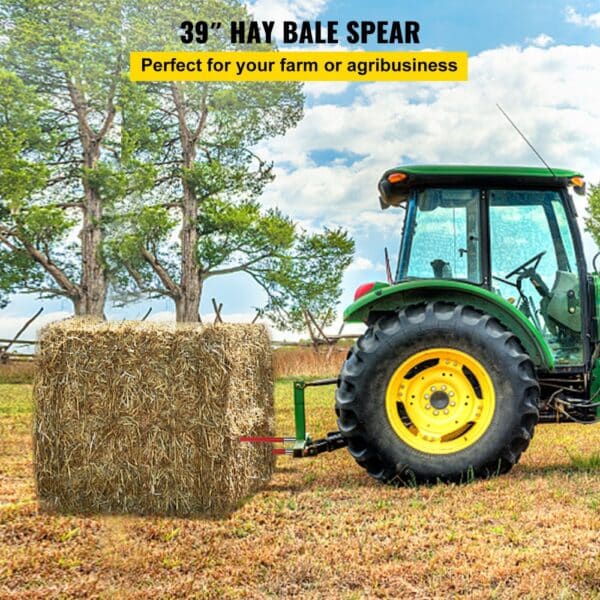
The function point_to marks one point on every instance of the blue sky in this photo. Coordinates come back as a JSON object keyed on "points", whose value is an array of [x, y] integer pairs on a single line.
{"points": [[540, 60]]}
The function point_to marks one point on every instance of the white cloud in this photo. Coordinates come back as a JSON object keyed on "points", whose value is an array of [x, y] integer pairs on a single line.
{"points": [[541, 41], [11, 322], [591, 20], [286, 10], [362, 263], [551, 93], [316, 89]]}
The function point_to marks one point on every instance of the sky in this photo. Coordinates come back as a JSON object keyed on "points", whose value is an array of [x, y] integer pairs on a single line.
{"points": [[539, 59]]}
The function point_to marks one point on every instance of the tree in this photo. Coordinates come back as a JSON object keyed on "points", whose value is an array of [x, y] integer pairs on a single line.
{"points": [[592, 221], [20, 139], [202, 138], [68, 66]]}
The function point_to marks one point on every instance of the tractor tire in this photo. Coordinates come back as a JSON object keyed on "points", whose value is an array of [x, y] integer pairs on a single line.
{"points": [[437, 392]]}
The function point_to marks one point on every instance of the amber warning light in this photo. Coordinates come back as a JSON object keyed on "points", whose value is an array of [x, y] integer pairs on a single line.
{"points": [[578, 184], [397, 177]]}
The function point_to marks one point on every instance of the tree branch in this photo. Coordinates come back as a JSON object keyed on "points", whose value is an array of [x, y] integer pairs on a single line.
{"points": [[202, 121], [173, 289], [181, 116], [80, 106], [139, 281], [236, 268], [71, 290], [110, 111], [52, 291]]}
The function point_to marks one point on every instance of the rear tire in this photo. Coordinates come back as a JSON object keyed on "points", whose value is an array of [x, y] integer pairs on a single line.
{"points": [[497, 378]]}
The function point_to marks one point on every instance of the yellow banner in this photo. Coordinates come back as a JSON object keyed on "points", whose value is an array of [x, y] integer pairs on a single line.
{"points": [[298, 66]]}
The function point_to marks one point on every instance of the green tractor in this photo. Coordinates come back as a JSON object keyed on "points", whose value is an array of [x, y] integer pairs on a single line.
{"points": [[488, 327]]}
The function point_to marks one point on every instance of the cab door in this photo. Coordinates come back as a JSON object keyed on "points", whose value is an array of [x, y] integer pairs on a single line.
{"points": [[534, 266]]}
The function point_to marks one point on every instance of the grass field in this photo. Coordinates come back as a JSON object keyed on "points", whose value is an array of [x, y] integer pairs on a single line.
{"points": [[321, 529]]}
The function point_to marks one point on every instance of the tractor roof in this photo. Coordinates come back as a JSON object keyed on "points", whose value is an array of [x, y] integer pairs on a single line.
{"points": [[396, 183], [483, 171]]}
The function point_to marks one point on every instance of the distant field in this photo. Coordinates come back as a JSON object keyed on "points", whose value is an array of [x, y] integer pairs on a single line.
{"points": [[291, 361], [17, 372], [297, 361], [321, 529]]}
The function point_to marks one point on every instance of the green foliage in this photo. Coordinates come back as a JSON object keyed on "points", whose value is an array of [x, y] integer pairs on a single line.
{"points": [[44, 225], [161, 148], [21, 141], [592, 221], [297, 270], [60, 78], [309, 278], [107, 181]]}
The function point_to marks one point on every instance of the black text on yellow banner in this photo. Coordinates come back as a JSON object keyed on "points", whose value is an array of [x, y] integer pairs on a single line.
{"points": [[299, 66]]}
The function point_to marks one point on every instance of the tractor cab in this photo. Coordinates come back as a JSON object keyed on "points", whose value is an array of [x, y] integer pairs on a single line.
{"points": [[509, 230]]}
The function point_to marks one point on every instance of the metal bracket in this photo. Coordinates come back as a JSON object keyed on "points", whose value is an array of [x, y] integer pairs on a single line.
{"points": [[302, 444]]}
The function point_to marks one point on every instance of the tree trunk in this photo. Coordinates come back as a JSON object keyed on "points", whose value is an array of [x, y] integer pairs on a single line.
{"points": [[188, 305], [93, 274], [188, 302], [93, 285]]}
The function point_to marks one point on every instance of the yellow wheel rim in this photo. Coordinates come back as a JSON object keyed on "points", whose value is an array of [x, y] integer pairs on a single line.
{"points": [[440, 401]]}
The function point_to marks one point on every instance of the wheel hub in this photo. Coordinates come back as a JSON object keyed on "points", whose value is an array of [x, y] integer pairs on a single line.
{"points": [[440, 400]]}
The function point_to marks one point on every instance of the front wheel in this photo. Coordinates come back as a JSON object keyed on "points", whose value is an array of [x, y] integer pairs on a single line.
{"points": [[437, 391]]}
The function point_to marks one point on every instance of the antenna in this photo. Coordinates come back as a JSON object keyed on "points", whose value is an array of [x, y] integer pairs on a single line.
{"points": [[388, 269], [526, 140]]}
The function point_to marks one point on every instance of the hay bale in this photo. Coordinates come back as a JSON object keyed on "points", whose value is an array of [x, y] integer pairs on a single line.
{"points": [[145, 418]]}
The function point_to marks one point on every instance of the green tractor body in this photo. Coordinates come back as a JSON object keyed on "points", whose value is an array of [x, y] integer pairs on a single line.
{"points": [[487, 327]]}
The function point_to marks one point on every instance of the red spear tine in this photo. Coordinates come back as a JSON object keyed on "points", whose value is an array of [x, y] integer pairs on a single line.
{"points": [[264, 440]]}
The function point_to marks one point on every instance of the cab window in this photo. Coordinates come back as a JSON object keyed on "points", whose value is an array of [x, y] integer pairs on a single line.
{"points": [[534, 267], [443, 240]]}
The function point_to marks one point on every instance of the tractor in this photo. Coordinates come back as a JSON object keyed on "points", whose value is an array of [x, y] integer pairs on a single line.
{"points": [[487, 327]]}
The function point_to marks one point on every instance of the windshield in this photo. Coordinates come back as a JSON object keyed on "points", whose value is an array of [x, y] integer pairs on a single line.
{"points": [[442, 240]]}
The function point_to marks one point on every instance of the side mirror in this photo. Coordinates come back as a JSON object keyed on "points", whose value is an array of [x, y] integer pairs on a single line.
{"points": [[594, 261]]}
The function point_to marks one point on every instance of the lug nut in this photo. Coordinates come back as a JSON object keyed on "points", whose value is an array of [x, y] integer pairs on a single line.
{"points": [[427, 406], [446, 411], [426, 396], [443, 387], [433, 388], [436, 412], [451, 394], [452, 403]]}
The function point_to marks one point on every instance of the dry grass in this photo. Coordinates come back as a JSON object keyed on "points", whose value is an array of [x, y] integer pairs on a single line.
{"points": [[143, 418], [320, 529], [297, 361], [17, 372]]}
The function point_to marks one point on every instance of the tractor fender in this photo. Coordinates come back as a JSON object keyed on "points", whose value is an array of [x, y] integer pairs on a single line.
{"points": [[385, 298]]}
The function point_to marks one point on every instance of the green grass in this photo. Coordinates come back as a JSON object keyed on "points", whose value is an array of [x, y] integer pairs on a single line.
{"points": [[589, 463], [15, 400]]}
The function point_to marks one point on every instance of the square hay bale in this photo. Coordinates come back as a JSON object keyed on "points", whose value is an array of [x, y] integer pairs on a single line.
{"points": [[145, 418]]}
